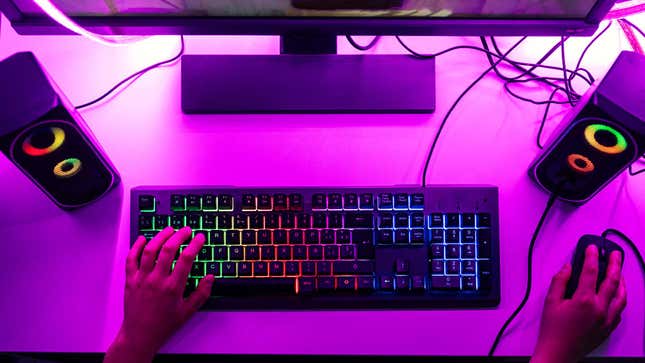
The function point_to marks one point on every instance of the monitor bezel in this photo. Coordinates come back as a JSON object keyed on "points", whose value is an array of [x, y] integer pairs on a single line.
{"points": [[160, 25]]}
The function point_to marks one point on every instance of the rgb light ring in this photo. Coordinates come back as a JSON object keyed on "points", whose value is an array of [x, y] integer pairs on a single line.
{"points": [[31, 150], [588, 168], [75, 168], [590, 136]]}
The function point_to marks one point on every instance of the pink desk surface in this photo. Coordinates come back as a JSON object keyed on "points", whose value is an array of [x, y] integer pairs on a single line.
{"points": [[62, 273]]}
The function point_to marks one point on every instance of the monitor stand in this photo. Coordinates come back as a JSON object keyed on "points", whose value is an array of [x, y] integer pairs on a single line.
{"points": [[308, 76]]}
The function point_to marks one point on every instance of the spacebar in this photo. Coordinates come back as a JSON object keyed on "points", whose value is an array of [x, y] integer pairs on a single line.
{"points": [[254, 286]]}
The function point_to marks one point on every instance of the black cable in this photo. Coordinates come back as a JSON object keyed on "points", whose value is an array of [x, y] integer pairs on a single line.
{"points": [[584, 52], [134, 75], [629, 242], [454, 105], [634, 26], [567, 84], [634, 173], [529, 281], [544, 117], [363, 48]]}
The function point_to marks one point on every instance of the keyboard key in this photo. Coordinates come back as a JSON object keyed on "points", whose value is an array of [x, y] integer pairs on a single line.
{"points": [[241, 221], [260, 287], [436, 220], [299, 252], [359, 220], [331, 252], [194, 202], [452, 267], [225, 202], [343, 236], [284, 252], [276, 268], [452, 235], [315, 252], [249, 237], [385, 201], [197, 269], [308, 268], [303, 220], [280, 236], [417, 201], [267, 253], [296, 203], [260, 268], [295, 236], [194, 221], [287, 220], [452, 250], [402, 236], [325, 283], [467, 236], [468, 283], [236, 253], [417, 220], [233, 237], [436, 251], [353, 267], [365, 283], [280, 202], [401, 220], [146, 221], [320, 220], [437, 267], [264, 237], [347, 252], [292, 268], [452, 220], [335, 220], [205, 254], [365, 251], [327, 236], [209, 221], [319, 201], [264, 202], [213, 268], [445, 282], [177, 203], [229, 269], [401, 266], [468, 267], [401, 201], [161, 221], [418, 282], [366, 201], [252, 253], [362, 237], [245, 269], [386, 282], [385, 236], [248, 202], [335, 201], [417, 236], [402, 283], [224, 221], [436, 236], [209, 202], [312, 236], [468, 251], [306, 285], [351, 201], [386, 220], [468, 220], [483, 243], [177, 221], [346, 283], [483, 220], [220, 253], [147, 203], [323, 268]]}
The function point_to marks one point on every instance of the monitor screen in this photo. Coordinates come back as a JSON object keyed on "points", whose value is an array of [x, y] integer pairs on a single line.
{"points": [[467, 9]]}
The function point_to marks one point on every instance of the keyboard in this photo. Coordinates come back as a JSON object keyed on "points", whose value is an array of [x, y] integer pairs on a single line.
{"points": [[335, 248]]}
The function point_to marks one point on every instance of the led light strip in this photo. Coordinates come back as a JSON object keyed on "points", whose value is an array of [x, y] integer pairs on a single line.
{"points": [[57, 15]]}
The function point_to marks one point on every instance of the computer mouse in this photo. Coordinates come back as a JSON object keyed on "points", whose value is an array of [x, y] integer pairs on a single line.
{"points": [[605, 248]]}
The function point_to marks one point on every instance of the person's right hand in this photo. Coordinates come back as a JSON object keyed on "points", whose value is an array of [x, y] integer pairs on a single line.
{"points": [[571, 328]]}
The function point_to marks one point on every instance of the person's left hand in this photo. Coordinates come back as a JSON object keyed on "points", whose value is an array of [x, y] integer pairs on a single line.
{"points": [[154, 306]]}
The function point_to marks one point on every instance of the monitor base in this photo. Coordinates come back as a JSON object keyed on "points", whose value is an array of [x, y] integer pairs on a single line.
{"points": [[307, 83]]}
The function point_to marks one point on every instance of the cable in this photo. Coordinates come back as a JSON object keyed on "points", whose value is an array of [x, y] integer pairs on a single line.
{"points": [[544, 117], [134, 75], [634, 26], [529, 282], [363, 48], [629, 242], [634, 173], [564, 70], [454, 105]]}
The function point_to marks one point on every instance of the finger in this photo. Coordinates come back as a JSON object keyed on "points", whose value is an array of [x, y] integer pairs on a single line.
{"points": [[185, 261], [132, 261], [170, 248], [199, 296], [559, 284], [589, 274], [152, 249], [610, 285], [618, 303]]}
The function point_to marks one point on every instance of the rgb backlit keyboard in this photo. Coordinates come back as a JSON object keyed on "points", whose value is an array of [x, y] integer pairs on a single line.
{"points": [[335, 248]]}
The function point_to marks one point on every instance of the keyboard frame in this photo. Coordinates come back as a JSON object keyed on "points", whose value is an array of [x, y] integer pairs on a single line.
{"points": [[446, 194]]}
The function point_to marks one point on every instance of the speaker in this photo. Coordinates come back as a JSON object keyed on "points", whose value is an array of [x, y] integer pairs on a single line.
{"points": [[600, 137], [46, 138]]}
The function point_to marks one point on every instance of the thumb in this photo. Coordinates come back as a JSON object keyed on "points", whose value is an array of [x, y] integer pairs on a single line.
{"points": [[559, 284], [198, 297]]}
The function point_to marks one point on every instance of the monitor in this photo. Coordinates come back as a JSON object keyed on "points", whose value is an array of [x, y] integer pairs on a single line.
{"points": [[308, 76]]}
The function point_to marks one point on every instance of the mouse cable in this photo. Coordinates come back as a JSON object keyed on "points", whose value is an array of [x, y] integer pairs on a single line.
{"points": [[629, 242], [454, 105], [529, 281], [363, 48], [135, 75]]}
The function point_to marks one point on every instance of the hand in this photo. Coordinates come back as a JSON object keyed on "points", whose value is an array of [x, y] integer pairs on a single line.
{"points": [[154, 306], [571, 328]]}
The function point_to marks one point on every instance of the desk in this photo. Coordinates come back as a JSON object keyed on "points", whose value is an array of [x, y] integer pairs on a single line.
{"points": [[63, 273]]}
